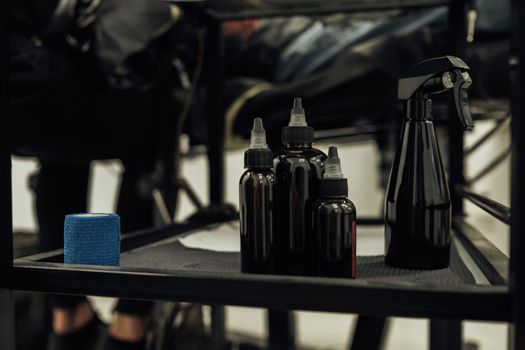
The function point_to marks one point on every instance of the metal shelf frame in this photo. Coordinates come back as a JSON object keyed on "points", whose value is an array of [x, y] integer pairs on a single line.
{"points": [[504, 300]]}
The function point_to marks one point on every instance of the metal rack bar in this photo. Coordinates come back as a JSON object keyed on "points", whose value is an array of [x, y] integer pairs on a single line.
{"points": [[457, 37], [7, 317], [474, 302], [129, 241], [7, 311], [517, 241], [486, 136], [218, 327], [369, 333], [497, 210], [168, 146], [489, 167], [370, 221], [457, 33], [491, 261], [350, 132], [445, 334], [215, 112], [6, 226], [281, 330]]}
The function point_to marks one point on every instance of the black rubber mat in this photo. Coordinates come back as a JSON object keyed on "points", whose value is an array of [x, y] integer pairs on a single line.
{"points": [[174, 256]]}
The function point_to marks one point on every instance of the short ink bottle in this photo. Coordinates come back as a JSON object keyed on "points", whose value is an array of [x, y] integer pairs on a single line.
{"points": [[335, 223]]}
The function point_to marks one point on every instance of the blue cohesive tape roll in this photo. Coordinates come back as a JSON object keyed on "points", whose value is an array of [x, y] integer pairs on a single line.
{"points": [[92, 239]]}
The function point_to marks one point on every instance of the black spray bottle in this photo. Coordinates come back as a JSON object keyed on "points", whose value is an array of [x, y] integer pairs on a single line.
{"points": [[298, 169], [257, 205], [335, 223], [417, 203]]}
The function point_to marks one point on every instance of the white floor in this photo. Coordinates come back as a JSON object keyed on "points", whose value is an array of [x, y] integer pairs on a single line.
{"points": [[320, 330]]}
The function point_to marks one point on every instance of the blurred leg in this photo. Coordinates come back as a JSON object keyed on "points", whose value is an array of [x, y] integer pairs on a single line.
{"points": [[61, 189], [135, 207]]}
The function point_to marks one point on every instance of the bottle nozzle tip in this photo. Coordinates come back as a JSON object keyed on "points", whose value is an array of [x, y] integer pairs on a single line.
{"points": [[332, 152], [297, 116], [258, 138], [258, 124], [333, 165], [297, 103]]}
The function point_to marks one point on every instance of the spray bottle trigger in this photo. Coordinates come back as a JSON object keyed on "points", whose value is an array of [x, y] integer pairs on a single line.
{"points": [[461, 85]]}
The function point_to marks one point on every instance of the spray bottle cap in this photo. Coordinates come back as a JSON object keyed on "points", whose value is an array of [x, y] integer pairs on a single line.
{"points": [[435, 76], [333, 183], [258, 155], [297, 130]]}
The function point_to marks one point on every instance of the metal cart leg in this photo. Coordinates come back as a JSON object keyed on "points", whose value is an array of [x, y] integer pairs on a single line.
{"points": [[7, 302], [169, 146], [215, 126], [7, 320], [281, 330], [215, 111], [457, 37], [369, 333], [517, 241], [445, 334], [218, 328], [218, 210]]}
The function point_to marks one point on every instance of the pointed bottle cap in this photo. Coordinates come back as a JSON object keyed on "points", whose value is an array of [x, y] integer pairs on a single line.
{"points": [[332, 165], [258, 139], [259, 156], [297, 115], [297, 130], [333, 184]]}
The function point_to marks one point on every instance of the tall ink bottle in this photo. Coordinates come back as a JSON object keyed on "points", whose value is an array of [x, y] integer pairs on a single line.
{"points": [[298, 169], [257, 205], [335, 223]]}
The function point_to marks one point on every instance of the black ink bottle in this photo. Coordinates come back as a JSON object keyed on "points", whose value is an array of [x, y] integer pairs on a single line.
{"points": [[335, 223], [257, 205], [298, 169]]}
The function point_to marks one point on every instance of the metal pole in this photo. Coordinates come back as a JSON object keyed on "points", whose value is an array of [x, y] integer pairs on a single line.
{"points": [[517, 240], [169, 145], [7, 312], [457, 37], [215, 110], [369, 333], [495, 209], [218, 328], [281, 330], [445, 334]]}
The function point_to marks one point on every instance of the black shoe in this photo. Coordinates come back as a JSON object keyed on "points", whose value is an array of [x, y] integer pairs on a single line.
{"points": [[114, 344], [90, 337]]}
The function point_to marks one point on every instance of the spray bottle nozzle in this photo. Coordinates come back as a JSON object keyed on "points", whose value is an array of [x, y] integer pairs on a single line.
{"points": [[435, 76], [258, 138], [461, 84], [297, 115], [333, 165]]}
